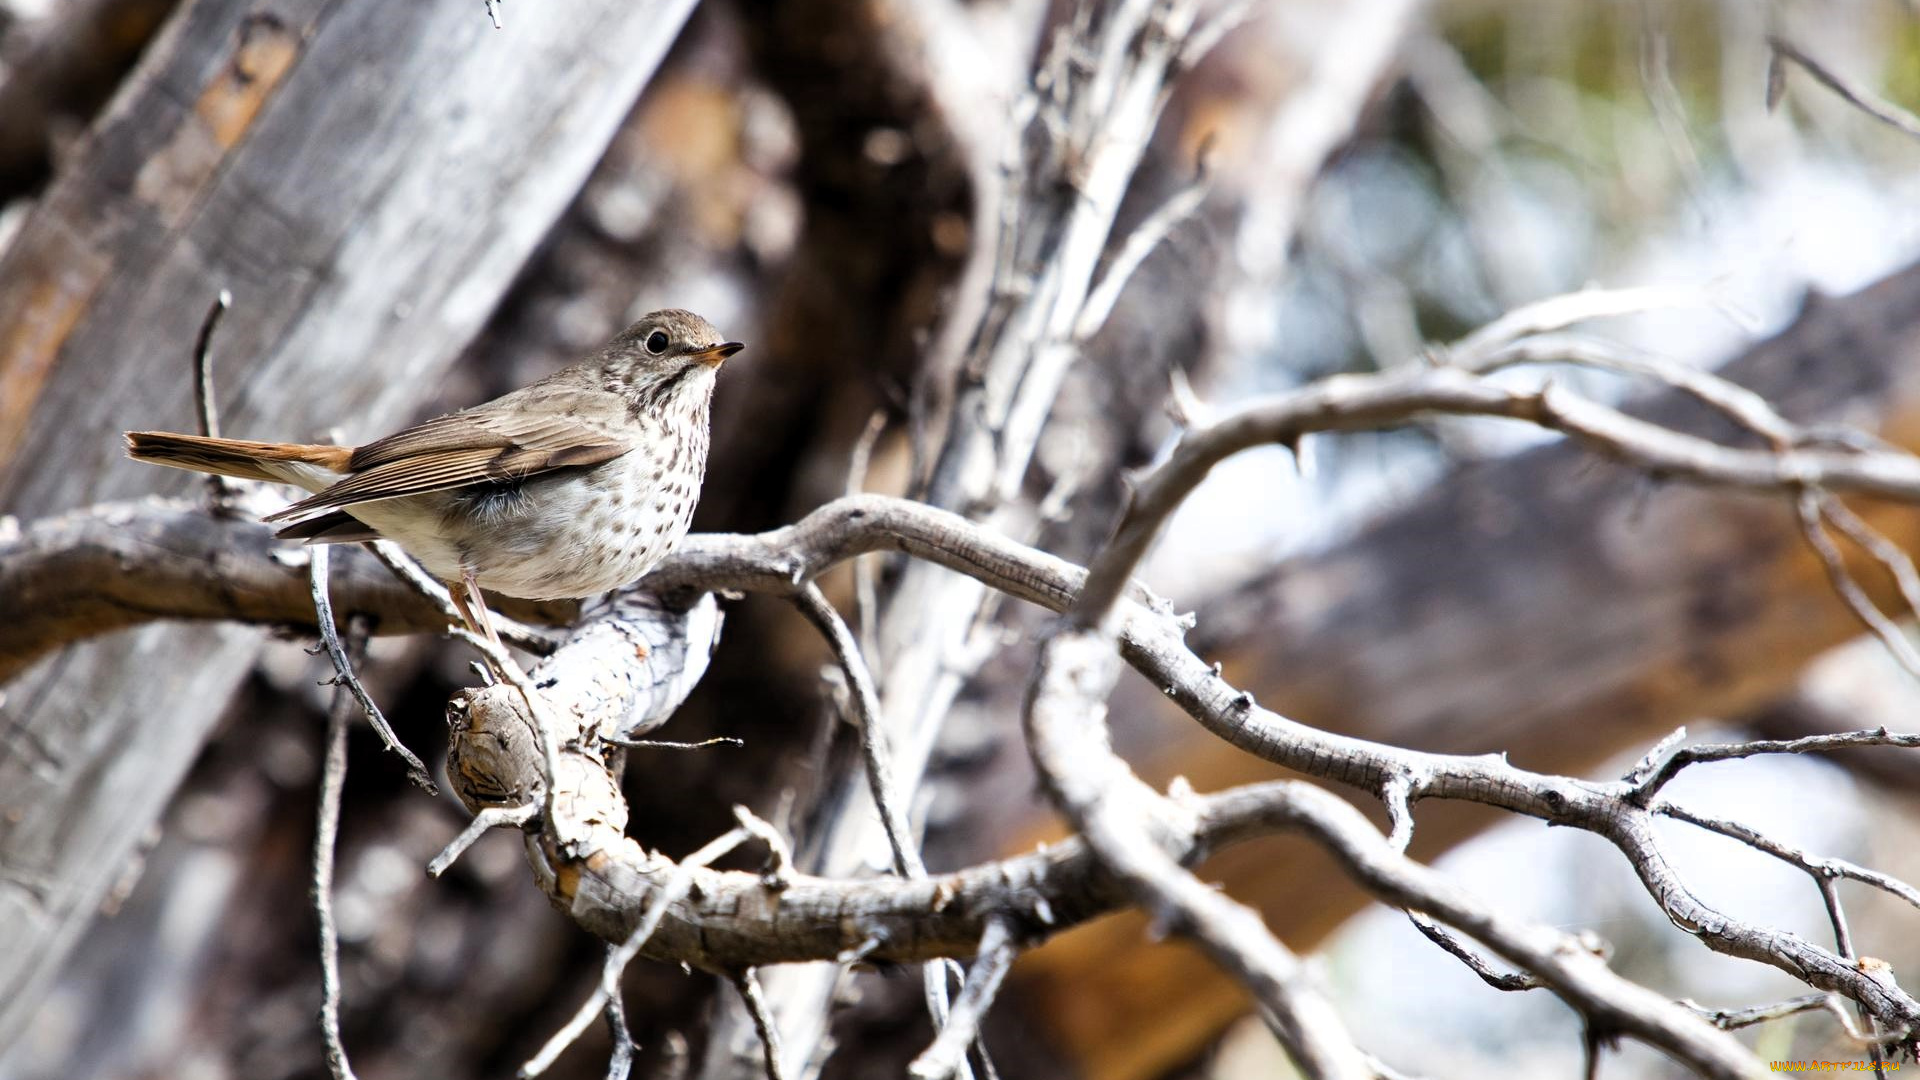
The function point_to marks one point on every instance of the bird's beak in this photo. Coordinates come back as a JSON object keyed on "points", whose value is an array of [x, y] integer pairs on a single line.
{"points": [[712, 355]]}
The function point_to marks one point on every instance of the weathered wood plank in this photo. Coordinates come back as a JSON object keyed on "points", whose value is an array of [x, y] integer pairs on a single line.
{"points": [[367, 178]]}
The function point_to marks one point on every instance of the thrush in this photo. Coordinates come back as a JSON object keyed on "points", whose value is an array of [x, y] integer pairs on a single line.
{"points": [[572, 486]]}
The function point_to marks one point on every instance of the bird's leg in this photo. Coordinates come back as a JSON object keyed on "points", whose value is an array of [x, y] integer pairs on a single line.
{"points": [[473, 608]]}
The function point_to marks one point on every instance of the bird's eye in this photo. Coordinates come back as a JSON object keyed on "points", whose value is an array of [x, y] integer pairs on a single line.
{"points": [[657, 342]]}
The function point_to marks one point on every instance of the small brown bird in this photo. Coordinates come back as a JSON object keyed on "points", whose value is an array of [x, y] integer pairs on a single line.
{"points": [[575, 485]]}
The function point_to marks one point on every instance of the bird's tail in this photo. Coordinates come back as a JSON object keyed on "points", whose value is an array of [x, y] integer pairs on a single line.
{"points": [[280, 463]]}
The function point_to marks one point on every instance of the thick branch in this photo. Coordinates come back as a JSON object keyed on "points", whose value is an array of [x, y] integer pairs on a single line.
{"points": [[119, 565]]}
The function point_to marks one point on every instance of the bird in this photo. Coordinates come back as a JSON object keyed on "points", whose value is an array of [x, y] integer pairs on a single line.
{"points": [[569, 487]]}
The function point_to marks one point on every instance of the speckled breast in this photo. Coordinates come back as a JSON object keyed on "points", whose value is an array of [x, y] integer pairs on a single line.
{"points": [[577, 534]]}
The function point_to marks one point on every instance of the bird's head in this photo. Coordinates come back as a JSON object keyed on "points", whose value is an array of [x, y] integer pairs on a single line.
{"points": [[668, 352]]}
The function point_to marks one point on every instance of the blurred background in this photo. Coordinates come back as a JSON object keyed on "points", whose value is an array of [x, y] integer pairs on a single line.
{"points": [[809, 176]]}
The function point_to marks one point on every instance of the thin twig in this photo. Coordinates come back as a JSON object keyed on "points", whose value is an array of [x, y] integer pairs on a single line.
{"points": [[873, 740], [206, 408], [1572, 965], [620, 1060], [1731, 1019], [879, 764], [1813, 527], [1820, 869], [866, 602], [749, 986], [333, 780], [1736, 402], [1499, 980], [1559, 312], [947, 1053], [1843, 944], [1858, 96], [1877, 544], [679, 880], [1669, 110], [1212, 28], [1837, 1005], [668, 744], [1668, 758], [1147, 236], [490, 817], [343, 669]]}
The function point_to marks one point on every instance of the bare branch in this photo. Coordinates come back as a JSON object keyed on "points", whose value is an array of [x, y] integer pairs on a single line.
{"points": [[1667, 759], [1128, 825], [1349, 402], [489, 817], [1742, 406], [866, 594], [749, 986], [948, 1051], [1141, 243], [206, 409], [1731, 1019], [1813, 526], [881, 785], [873, 740], [1843, 944], [620, 1058], [1859, 97], [1566, 964], [343, 671], [1479, 350], [669, 744], [679, 880], [1499, 980], [333, 778], [1609, 811], [1822, 870], [1898, 564]]}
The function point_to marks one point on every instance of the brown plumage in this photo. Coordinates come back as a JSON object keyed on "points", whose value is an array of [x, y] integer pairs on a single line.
{"points": [[230, 457], [569, 487]]}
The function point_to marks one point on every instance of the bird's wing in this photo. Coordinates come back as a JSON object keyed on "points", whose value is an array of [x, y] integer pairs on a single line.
{"points": [[497, 442]]}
